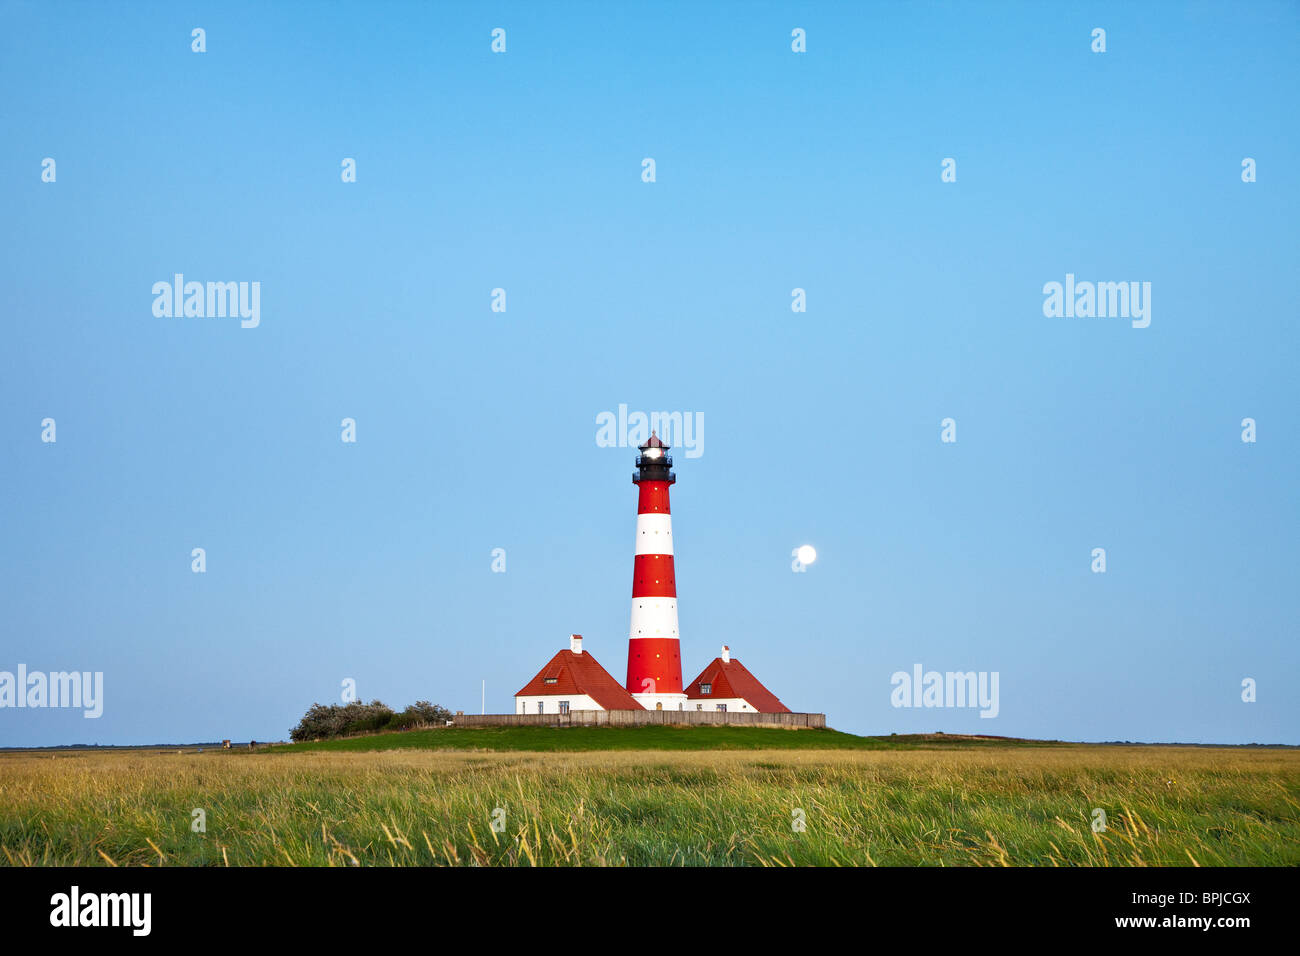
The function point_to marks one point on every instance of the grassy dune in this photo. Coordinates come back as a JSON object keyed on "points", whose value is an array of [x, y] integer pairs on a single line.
{"points": [[573, 739], [959, 806]]}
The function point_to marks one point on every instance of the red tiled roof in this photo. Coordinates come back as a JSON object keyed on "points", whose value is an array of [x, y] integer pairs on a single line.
{"points": [[654, 442], [580, 674], [731, 679]]}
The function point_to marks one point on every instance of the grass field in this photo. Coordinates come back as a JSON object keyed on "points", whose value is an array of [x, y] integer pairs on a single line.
{"points": [[887, 801], [648, 737]]}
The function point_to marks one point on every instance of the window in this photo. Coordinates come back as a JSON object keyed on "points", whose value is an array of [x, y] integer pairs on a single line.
{"points": [[548, 680], [722, 707], [564, 706], [699, 706], [540, 704], [706, 688]]}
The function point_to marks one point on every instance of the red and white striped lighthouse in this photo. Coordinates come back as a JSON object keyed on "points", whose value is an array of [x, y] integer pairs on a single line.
{"points": [[654, 660]]}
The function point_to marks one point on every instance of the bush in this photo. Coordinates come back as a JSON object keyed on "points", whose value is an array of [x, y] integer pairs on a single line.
{"points": [[420, 713], [334, 720]]}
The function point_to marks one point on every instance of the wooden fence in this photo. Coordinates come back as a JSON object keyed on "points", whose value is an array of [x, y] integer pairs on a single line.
{"points": [[634, 718]]}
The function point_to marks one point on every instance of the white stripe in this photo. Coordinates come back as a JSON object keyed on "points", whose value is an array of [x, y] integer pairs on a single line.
{"points": [[654, 534], [653, 617]]}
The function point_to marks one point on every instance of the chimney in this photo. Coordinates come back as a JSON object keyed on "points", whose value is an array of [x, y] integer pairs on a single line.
{"points": [[726, 654], [575, 643]]}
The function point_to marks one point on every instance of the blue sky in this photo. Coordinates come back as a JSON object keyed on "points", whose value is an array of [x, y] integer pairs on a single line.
{"points": [[476, 430]]}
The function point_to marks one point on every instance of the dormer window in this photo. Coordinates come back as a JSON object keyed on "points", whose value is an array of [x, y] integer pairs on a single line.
{"points": [[548, 680], [706, 688]]}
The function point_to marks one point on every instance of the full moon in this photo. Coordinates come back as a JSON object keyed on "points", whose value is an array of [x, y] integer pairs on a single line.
{"points": [[807, 554]]}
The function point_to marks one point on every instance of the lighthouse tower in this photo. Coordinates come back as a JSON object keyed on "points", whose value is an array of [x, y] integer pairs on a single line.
{"points": [[654, 661]]}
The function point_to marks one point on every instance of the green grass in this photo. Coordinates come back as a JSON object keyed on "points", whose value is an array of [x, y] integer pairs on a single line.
{"points": [[575, 739], [928, 804]]}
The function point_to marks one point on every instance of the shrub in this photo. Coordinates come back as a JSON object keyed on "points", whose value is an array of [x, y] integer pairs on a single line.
{"points": [[420, 713], [335, 720]]}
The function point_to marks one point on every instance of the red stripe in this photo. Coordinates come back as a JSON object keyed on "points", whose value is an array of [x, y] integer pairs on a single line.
{"points": [[656, 659], [653, 576], [653, 498]]}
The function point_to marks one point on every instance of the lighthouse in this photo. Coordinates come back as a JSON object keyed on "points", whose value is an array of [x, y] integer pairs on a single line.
{"points": [[654, 660], [572, 683]]}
